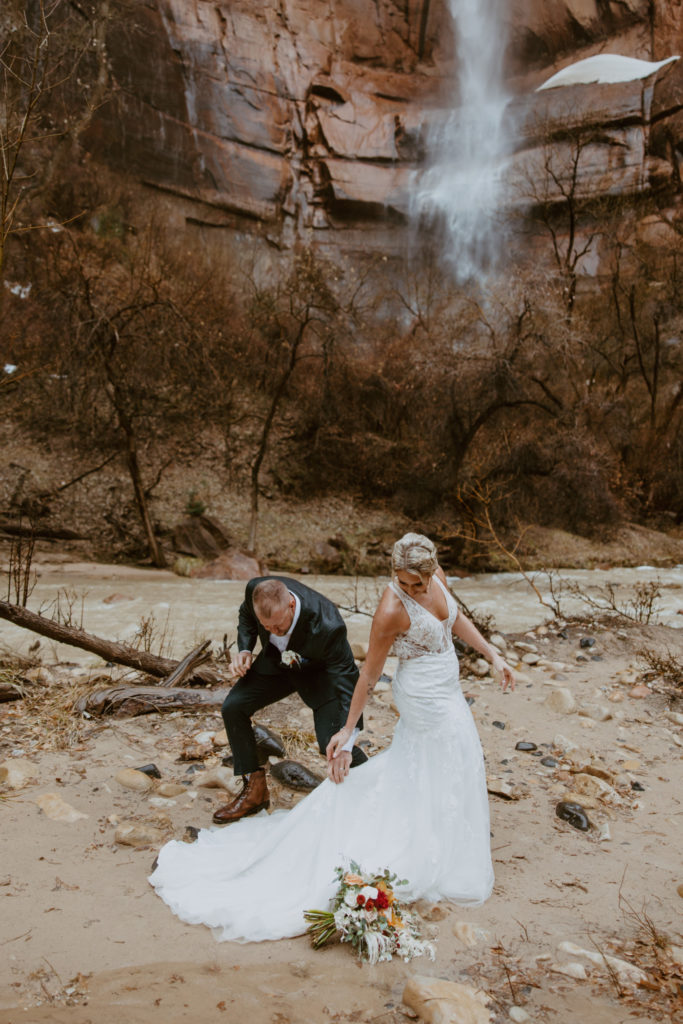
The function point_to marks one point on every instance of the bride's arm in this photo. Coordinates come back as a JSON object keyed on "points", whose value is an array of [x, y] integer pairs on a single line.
{"points": [[386, 625], [468, 632]]}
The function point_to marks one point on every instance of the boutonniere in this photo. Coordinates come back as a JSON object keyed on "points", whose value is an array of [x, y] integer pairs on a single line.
{"points": [[291, 659]]}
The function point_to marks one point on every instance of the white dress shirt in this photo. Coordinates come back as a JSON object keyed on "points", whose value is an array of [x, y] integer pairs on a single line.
{"points": [[282, 643]]}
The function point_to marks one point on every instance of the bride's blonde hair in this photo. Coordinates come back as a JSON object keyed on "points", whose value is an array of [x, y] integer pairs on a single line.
{"points": [[415, 553]]}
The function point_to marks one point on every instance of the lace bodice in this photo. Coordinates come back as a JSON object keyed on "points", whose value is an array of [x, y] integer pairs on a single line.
{"points": [[427, 634]]}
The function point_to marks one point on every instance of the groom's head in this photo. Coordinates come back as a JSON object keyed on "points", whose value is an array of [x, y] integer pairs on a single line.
{"points": [[274, 606]]}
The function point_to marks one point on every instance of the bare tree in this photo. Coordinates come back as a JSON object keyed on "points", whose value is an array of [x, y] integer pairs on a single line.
{"points": [[44, 102]]}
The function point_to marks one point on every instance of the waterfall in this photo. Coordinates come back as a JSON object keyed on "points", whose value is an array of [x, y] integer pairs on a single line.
{"points": [[462, 187]]}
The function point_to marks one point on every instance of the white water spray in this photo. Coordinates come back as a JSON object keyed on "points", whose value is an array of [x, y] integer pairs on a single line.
{"points": [[462, 187]]}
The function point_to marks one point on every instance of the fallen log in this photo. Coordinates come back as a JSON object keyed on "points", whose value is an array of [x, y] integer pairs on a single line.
{"points": [[42, 532], [108, 650], [129, 701]]}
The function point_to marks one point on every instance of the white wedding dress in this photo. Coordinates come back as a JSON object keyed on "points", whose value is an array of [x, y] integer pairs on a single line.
{"points": [[419, 808]]}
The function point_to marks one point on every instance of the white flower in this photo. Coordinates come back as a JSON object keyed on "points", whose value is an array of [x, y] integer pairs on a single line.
{"points": [[291, 659], [350, 898], [369, 892]]}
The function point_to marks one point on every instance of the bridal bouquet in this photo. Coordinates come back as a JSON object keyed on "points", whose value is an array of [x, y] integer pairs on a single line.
{"points": [[366, 913]]}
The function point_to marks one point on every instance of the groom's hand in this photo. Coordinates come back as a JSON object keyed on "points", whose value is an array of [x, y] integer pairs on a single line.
{"points": [[241, 664], [338, 767]]}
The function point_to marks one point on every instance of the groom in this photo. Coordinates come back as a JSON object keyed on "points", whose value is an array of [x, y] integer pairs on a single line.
{"points": [[304, 650]]}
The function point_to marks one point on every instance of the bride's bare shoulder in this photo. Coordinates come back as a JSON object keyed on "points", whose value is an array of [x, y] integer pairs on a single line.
{"points": [[391, 616]]}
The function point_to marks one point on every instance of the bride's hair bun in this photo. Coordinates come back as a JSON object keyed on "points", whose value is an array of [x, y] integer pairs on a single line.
{"points": [[415, 553]]}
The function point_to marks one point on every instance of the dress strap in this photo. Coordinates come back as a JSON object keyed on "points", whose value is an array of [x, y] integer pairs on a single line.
{"points": [[450, 600], [400, 594]]}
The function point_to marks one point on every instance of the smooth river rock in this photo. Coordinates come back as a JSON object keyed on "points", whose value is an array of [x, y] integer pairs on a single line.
{"points": [[132, 778], [573, 814], [295, 775], [446, 1002]]}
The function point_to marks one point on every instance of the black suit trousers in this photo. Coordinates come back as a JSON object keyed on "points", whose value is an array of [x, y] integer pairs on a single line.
{"points": [[258, 690]]}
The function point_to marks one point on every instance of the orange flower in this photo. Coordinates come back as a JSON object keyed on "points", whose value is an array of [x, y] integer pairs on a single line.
{"points": [[387, 890], [353, 880], [396, 921]]}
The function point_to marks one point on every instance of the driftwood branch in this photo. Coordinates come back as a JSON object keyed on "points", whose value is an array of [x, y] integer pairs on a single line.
{"points": [[108, 650], [187, 666], [128, 701]]}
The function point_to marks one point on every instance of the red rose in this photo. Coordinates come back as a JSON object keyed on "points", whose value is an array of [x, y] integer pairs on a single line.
{"points": [[370, 905], [360, 899], [381, 900]]}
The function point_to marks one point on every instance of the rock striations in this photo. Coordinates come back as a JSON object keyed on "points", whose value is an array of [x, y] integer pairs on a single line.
{"points": [[309, 116]]}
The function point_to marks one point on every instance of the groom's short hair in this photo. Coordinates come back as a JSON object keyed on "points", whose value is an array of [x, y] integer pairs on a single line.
{"points": [[269, 596]]}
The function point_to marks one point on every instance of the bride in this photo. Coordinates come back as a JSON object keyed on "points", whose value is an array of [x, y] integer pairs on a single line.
{"points": [[419, 808]]}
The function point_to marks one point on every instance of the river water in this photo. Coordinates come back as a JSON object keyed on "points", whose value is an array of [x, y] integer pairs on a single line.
{"points": [[112, 601]]}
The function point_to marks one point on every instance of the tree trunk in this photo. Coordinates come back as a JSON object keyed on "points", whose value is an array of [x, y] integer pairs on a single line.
{"points": [[108, 650], [155, 551]]}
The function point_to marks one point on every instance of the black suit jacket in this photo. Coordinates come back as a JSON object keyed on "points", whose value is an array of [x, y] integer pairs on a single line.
{"points": [[319, 636]]}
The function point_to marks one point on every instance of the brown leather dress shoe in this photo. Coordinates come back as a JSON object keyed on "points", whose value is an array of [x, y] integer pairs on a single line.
{"points": [[253, 798]]}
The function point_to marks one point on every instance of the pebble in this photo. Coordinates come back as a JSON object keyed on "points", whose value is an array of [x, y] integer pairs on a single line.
{"points": [[498, 641], [675, 716], [525, 745], [53, 807], [171, 789], [563, 744], [574, 814], [481, 667], [446, 1002], [561, 701], [572, 970], [131, 778], [624, 970], [221, 778], [469, 934], [518, 1014], [679, 890], [17, 772], [469, 700], [531, 658], [598, 712], [549, 762], [133, 834], [521, 645], [498, 725], [591, 785], [581, 657], [637, 786], [586, 641], [149, 769], [640, 691], [161, 801], [295, 775]]}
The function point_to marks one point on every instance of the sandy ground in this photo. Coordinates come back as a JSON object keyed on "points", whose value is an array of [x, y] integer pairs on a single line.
{"points": [[84, 938]]}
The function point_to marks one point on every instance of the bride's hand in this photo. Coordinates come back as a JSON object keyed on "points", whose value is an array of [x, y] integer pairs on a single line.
{"points": [[338, 767], [334, 747], [502, 673]]}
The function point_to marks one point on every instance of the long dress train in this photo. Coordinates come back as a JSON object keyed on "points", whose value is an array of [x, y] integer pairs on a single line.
{"points": [[420, 808]]}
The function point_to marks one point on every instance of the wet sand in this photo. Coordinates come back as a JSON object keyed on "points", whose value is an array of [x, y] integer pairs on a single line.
{"points": [[84, 938]]}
